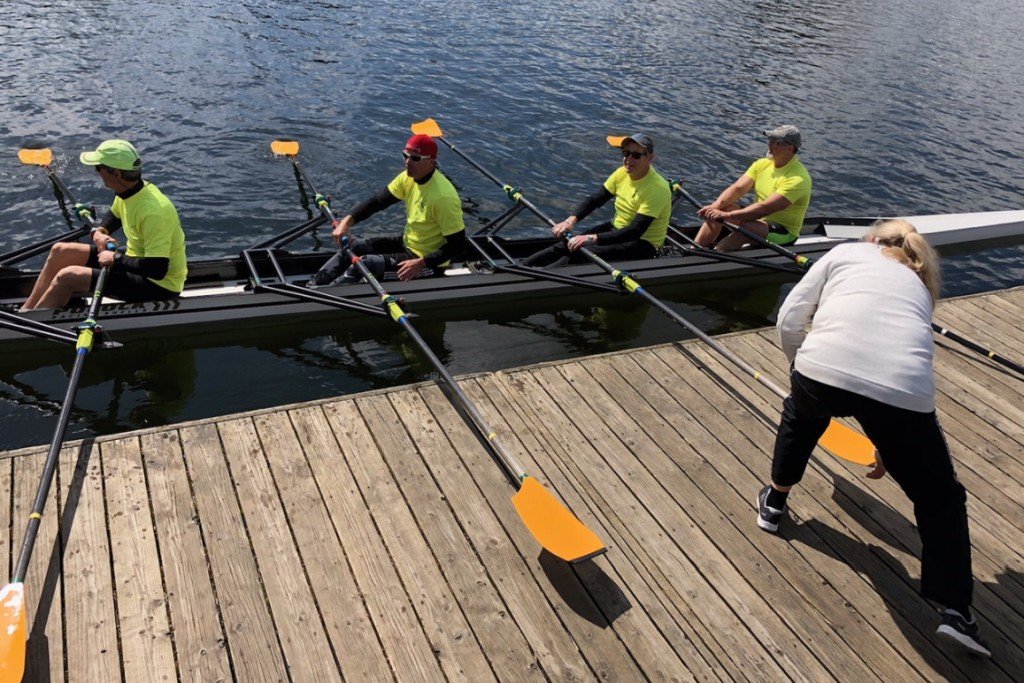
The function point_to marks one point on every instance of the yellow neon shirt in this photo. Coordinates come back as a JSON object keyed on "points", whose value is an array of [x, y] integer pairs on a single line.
{"points": [[432, 211], [650, 196], [152, 228], [792, 182]]}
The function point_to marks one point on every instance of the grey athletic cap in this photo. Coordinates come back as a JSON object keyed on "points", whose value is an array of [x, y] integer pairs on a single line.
{"points": [[790, 135]]}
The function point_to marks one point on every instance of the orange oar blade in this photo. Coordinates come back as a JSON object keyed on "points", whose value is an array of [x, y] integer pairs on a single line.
{"points": [[615, 140], [555, 528], [35, 157], [13, 633], [286, 148], [427, 127], [848, 444]]}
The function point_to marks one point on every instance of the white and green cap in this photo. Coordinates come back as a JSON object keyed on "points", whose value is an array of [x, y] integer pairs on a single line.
{"points": [[119, 154]]}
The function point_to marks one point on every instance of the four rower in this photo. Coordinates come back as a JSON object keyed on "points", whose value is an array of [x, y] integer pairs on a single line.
{"points": [[782, 188], [434, 236], [643, 205], [153, 267]]}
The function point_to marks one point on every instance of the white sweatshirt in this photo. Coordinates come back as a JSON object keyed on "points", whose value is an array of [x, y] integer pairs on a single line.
{"points": [[871, 327]]}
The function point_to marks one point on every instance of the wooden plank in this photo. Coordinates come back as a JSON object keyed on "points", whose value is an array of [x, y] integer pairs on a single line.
{"points": [[146, 649], [720, 470], [993, 610], [502, 541], [723, 631], [7, 532], [199, 641], [90, 611], [254, 649], [687, 545], [331, 435], [587, 623], [297, 617], [453, 640], [345, 617], [464, 561], [45, 653], [661, 640], [830, 515]]}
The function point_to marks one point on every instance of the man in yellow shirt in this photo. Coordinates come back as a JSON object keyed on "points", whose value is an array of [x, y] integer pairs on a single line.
{"points": [[153, 267], [782, 188], [434, 235], [643, 205]]}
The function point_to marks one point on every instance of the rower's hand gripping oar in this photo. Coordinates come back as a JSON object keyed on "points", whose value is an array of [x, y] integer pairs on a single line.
{"points": [[806, 262], [838, 438], [13, 615], [556, 529]]}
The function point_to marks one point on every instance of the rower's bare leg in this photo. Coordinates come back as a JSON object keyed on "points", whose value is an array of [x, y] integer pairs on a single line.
{"points": [[735, 240], [68, 282], [62, 255], [709, 230], [708, 233]]}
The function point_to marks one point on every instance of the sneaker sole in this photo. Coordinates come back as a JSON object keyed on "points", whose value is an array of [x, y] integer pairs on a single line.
{"points": [[967, 642]]}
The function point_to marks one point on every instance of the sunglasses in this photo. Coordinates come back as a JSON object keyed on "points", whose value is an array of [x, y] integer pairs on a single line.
{"points": [[415, 157], [634, 155]]}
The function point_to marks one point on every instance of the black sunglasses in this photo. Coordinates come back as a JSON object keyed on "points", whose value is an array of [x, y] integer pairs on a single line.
{"points": [[414, 157], [634, 155]]}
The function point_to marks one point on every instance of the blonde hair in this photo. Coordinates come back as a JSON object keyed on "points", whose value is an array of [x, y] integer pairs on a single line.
{"points": [[902, 242]]}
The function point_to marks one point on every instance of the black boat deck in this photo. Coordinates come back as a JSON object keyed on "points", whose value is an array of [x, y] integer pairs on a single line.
{"points": [[371, 538]]}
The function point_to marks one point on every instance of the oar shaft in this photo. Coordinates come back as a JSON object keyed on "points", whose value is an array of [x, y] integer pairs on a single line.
{"points": [[85, 342], [508, 462], [978, 348]]}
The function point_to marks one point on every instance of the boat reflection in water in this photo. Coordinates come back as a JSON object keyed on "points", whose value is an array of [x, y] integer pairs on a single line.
{"points": [[157, 381]]}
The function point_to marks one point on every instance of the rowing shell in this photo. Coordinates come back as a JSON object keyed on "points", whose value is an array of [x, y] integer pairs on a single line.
{"points": [[219, 291]]}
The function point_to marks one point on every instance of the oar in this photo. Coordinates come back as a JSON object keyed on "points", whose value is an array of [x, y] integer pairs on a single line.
{"points": [[43, 158], [13, 618], [556, 529], [806, 262], [838, 438]]}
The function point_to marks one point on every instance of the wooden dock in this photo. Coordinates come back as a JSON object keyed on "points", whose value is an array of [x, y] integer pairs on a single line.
{"points": [[371, 538]]}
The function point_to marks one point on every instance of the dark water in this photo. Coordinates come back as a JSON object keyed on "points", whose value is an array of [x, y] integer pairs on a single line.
{"points": [[910, 106]]}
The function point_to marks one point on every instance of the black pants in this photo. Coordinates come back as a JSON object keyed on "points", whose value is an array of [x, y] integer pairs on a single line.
{"points": [[915, 454], [129, 287], [389, 250], [558, 254]]}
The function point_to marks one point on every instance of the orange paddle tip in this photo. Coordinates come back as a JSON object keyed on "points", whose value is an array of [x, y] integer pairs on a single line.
{"points": [[35, 157], [555, 528], [848, 444], [286, 148], [13, 633], [615, 140], [427, 127]]}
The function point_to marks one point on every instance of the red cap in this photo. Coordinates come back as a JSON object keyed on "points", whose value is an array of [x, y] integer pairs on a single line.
{"points": [[423, 145]]}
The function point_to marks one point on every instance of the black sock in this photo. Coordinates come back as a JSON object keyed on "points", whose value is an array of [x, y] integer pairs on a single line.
{"points": [[776, 499]]}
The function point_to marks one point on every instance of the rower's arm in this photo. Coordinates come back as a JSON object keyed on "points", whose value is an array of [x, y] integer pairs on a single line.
{"points": [[153, 267], [633, 231], [380, 200], [592, 203], [734, 192], [758, 210], [453, 249]]}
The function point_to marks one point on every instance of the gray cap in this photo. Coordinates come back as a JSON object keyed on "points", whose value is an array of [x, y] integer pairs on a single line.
{"points": [[789, 135], [644, 141]]}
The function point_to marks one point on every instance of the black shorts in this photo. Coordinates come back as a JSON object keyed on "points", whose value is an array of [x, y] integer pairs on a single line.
{"points": [[130, 287]]}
